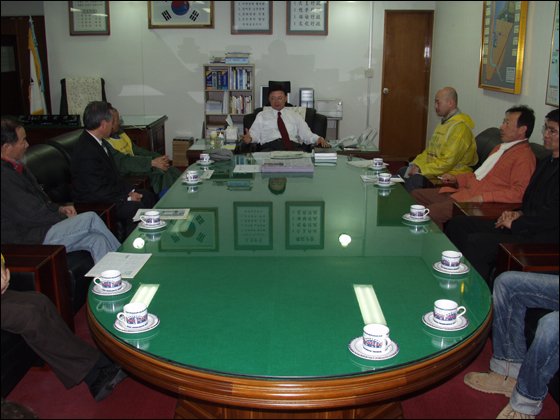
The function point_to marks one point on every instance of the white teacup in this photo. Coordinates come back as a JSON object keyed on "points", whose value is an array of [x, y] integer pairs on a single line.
{"points": [[204, 157], [151, 218], [451, 260], [418, 212], [376, 338], [110, 280], [192, 176], [377, 163], [134, 315], [384, 178], [446, 312]]}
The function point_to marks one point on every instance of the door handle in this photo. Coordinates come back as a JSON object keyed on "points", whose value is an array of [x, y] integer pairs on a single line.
{"points": [[385, 91]]}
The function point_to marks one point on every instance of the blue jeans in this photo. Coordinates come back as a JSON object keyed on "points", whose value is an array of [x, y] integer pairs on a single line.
{"points": [[514, 292], [84, 232]]}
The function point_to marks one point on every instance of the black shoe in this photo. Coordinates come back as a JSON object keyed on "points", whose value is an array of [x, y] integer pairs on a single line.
{"points": [[106, 380]]}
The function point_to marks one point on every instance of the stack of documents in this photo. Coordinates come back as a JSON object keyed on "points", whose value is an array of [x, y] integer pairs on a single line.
{"points": [[325, 159], [287, 165]]}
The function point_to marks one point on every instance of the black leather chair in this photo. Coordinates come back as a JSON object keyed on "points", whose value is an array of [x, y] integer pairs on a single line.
{"points": [[65, 143], [316, 122], [52, 171], [17, 356]]}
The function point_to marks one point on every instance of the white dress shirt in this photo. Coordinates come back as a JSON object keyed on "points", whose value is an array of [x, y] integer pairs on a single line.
{"points": [[265, 127]]}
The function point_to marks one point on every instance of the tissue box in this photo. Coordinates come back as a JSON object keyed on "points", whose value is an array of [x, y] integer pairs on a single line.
{"points": [[231, 134]]}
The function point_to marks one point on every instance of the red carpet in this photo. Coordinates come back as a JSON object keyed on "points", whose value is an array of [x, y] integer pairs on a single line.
{"points": [[42, 392]]}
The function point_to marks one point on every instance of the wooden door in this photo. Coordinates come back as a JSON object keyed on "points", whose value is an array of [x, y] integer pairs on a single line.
{"points": [[405, 102]]}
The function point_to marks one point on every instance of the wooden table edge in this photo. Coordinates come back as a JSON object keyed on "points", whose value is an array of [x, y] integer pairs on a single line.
{"points": [[290, 394]]}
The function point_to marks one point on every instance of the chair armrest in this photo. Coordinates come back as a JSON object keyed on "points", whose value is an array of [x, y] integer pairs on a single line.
{"points": [[483, 210], [106, 211], [527, 257], [50, 268]]}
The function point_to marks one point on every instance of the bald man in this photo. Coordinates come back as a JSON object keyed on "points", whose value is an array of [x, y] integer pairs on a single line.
{"points": [[452, 148]]}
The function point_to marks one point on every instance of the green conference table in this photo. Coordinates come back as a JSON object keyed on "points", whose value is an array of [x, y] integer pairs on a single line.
{"points": [[257, 304]]}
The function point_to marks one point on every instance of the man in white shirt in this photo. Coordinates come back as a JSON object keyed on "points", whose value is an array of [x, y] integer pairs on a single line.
{"points": [[267, 130]]}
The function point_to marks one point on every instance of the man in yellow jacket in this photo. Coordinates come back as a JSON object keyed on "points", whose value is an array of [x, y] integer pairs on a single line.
{"points": [[452, 148]]}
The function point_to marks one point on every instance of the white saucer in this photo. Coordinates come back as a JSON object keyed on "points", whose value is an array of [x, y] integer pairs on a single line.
{"points": [[409, 218], [463, 269], [126, 286], [184, 181], [391, 184], [204, 163], [356, 346], [153, 321], [460, 324], [162, 224], [378, 169]]}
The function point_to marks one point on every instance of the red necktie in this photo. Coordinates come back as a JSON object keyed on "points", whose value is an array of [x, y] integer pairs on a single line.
{"points": [[284, 132]]}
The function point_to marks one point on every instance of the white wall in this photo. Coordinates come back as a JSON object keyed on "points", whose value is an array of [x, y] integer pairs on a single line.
{"points": [[456, 58], [159, 71]]}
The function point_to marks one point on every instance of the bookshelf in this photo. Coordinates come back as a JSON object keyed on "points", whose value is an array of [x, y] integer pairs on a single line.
{"points": [[229, 89]]}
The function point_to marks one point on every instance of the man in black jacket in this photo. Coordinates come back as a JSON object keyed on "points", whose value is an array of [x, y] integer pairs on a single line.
{"points": [[536, 221], [95, 177], [28, 215]]}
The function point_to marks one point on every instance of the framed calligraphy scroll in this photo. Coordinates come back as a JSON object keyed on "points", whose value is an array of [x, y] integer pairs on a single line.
{"points": [[251, 17], [307, 18]]}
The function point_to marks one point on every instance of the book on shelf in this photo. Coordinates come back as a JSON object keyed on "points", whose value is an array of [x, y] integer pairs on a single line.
{"points": [[217, 79], [237, 58], [287, 165]]}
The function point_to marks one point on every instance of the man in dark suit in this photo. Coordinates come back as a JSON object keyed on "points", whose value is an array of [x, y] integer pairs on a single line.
{"points": [[536, 221], [95, 177]]}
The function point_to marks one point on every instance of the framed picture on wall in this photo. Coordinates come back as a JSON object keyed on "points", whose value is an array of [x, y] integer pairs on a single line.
{"points": [[89, 18], [307, 18], [180, 14], [553, 72], [251, 17], [503, 45]]}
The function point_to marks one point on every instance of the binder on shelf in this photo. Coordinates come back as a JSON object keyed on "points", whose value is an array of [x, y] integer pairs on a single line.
{"points": [[208, 79]]}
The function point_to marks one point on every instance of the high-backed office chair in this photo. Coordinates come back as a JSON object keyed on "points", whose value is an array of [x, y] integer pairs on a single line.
{"points": [[76, 93]]}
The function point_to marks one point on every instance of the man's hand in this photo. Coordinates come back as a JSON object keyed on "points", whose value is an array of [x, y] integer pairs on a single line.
{"points": [[134, 196], [413, 170], [69, 211], [161, 162], [5, 278], [507, 218], [449, 179], [247, 137], [322, 142]]}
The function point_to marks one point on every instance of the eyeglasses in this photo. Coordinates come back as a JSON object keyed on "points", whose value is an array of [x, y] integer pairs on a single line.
{"points": [[550, 131]]}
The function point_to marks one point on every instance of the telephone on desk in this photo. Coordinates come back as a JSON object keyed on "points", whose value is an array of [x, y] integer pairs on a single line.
{"points": [[69, 120]]}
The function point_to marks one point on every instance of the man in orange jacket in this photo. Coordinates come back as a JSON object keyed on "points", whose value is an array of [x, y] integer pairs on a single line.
{"points": [[502, 178]]}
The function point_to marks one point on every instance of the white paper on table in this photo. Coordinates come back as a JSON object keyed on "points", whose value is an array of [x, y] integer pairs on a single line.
{"points": [[145, 293], [164, 214], [128, 264], [369, 305]]}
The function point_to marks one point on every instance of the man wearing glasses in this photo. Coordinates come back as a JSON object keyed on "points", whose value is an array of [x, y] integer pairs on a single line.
{"points": [[536, 221]]}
